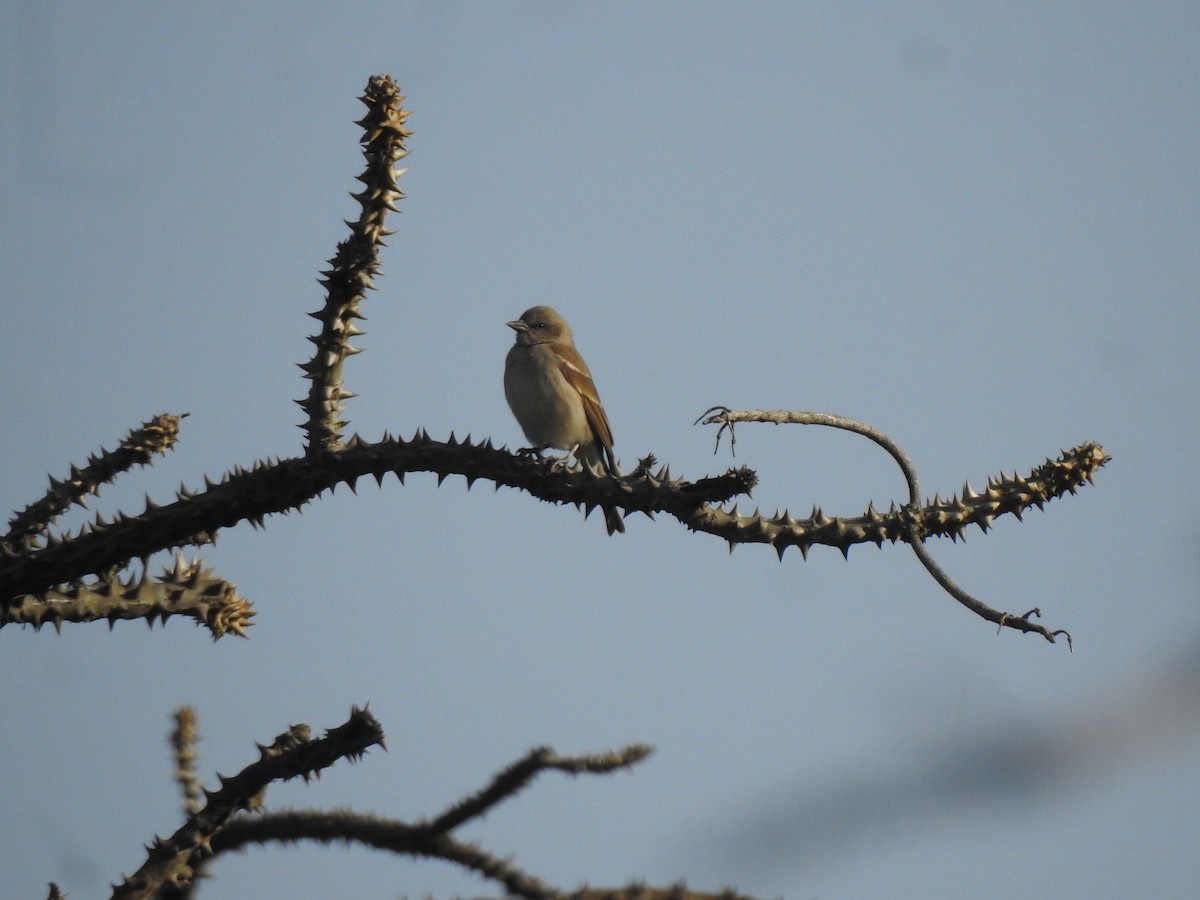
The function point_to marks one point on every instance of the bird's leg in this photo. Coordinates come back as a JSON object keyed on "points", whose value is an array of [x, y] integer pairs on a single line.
{"points": [[566, 463], [557, 464]]}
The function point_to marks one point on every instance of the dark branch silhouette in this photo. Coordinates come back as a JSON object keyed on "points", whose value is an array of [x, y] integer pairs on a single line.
{"points": [[49, 575], [919, 519], [293, 754]]}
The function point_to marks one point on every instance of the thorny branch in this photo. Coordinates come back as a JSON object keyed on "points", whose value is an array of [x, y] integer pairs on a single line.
{"points": [[1072, 470], [354, 265], [49, 576], [138, 448], [209, 835], [292, 755], [183, 741]]}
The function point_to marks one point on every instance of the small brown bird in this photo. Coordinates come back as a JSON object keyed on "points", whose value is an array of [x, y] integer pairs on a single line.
{"points": [[549, 389]]}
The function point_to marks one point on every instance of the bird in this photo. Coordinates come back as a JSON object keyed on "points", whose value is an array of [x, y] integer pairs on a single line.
{"points": [[551, 393]]}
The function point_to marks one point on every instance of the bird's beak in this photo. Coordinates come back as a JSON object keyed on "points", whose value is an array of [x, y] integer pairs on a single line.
{"points": [[517, 325]]}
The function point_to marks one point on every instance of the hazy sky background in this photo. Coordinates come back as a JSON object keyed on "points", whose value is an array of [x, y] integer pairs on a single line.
{"points": [[975, 226]]}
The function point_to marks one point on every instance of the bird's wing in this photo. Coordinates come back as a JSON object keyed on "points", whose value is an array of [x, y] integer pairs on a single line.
{"points": [[576, 371]]}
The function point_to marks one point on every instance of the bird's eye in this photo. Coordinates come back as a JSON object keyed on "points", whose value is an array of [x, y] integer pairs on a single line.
{"points": [[539, 324]]}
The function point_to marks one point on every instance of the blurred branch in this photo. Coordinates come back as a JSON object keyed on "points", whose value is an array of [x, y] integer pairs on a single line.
{"points": [[183, 742], [1046, 753]]}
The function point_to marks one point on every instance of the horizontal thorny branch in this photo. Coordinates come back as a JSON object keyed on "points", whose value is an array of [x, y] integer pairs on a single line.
{"points": [[919, 520], [35, 584], [276, 486], [187, 588]]}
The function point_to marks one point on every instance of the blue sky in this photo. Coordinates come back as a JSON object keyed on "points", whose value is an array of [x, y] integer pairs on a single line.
{"points": [[973, 226]]}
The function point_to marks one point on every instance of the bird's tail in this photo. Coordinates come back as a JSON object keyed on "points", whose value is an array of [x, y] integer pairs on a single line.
{"points": [[599, 458]]}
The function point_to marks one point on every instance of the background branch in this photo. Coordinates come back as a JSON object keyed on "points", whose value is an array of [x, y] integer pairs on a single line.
{"points": [[293, 754]]}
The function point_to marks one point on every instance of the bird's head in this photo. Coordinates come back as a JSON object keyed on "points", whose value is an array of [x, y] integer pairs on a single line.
{"points": [[541, 325]]}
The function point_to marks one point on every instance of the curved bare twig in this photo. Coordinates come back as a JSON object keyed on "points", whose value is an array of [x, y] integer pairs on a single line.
{"points": [[914, 531]]}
